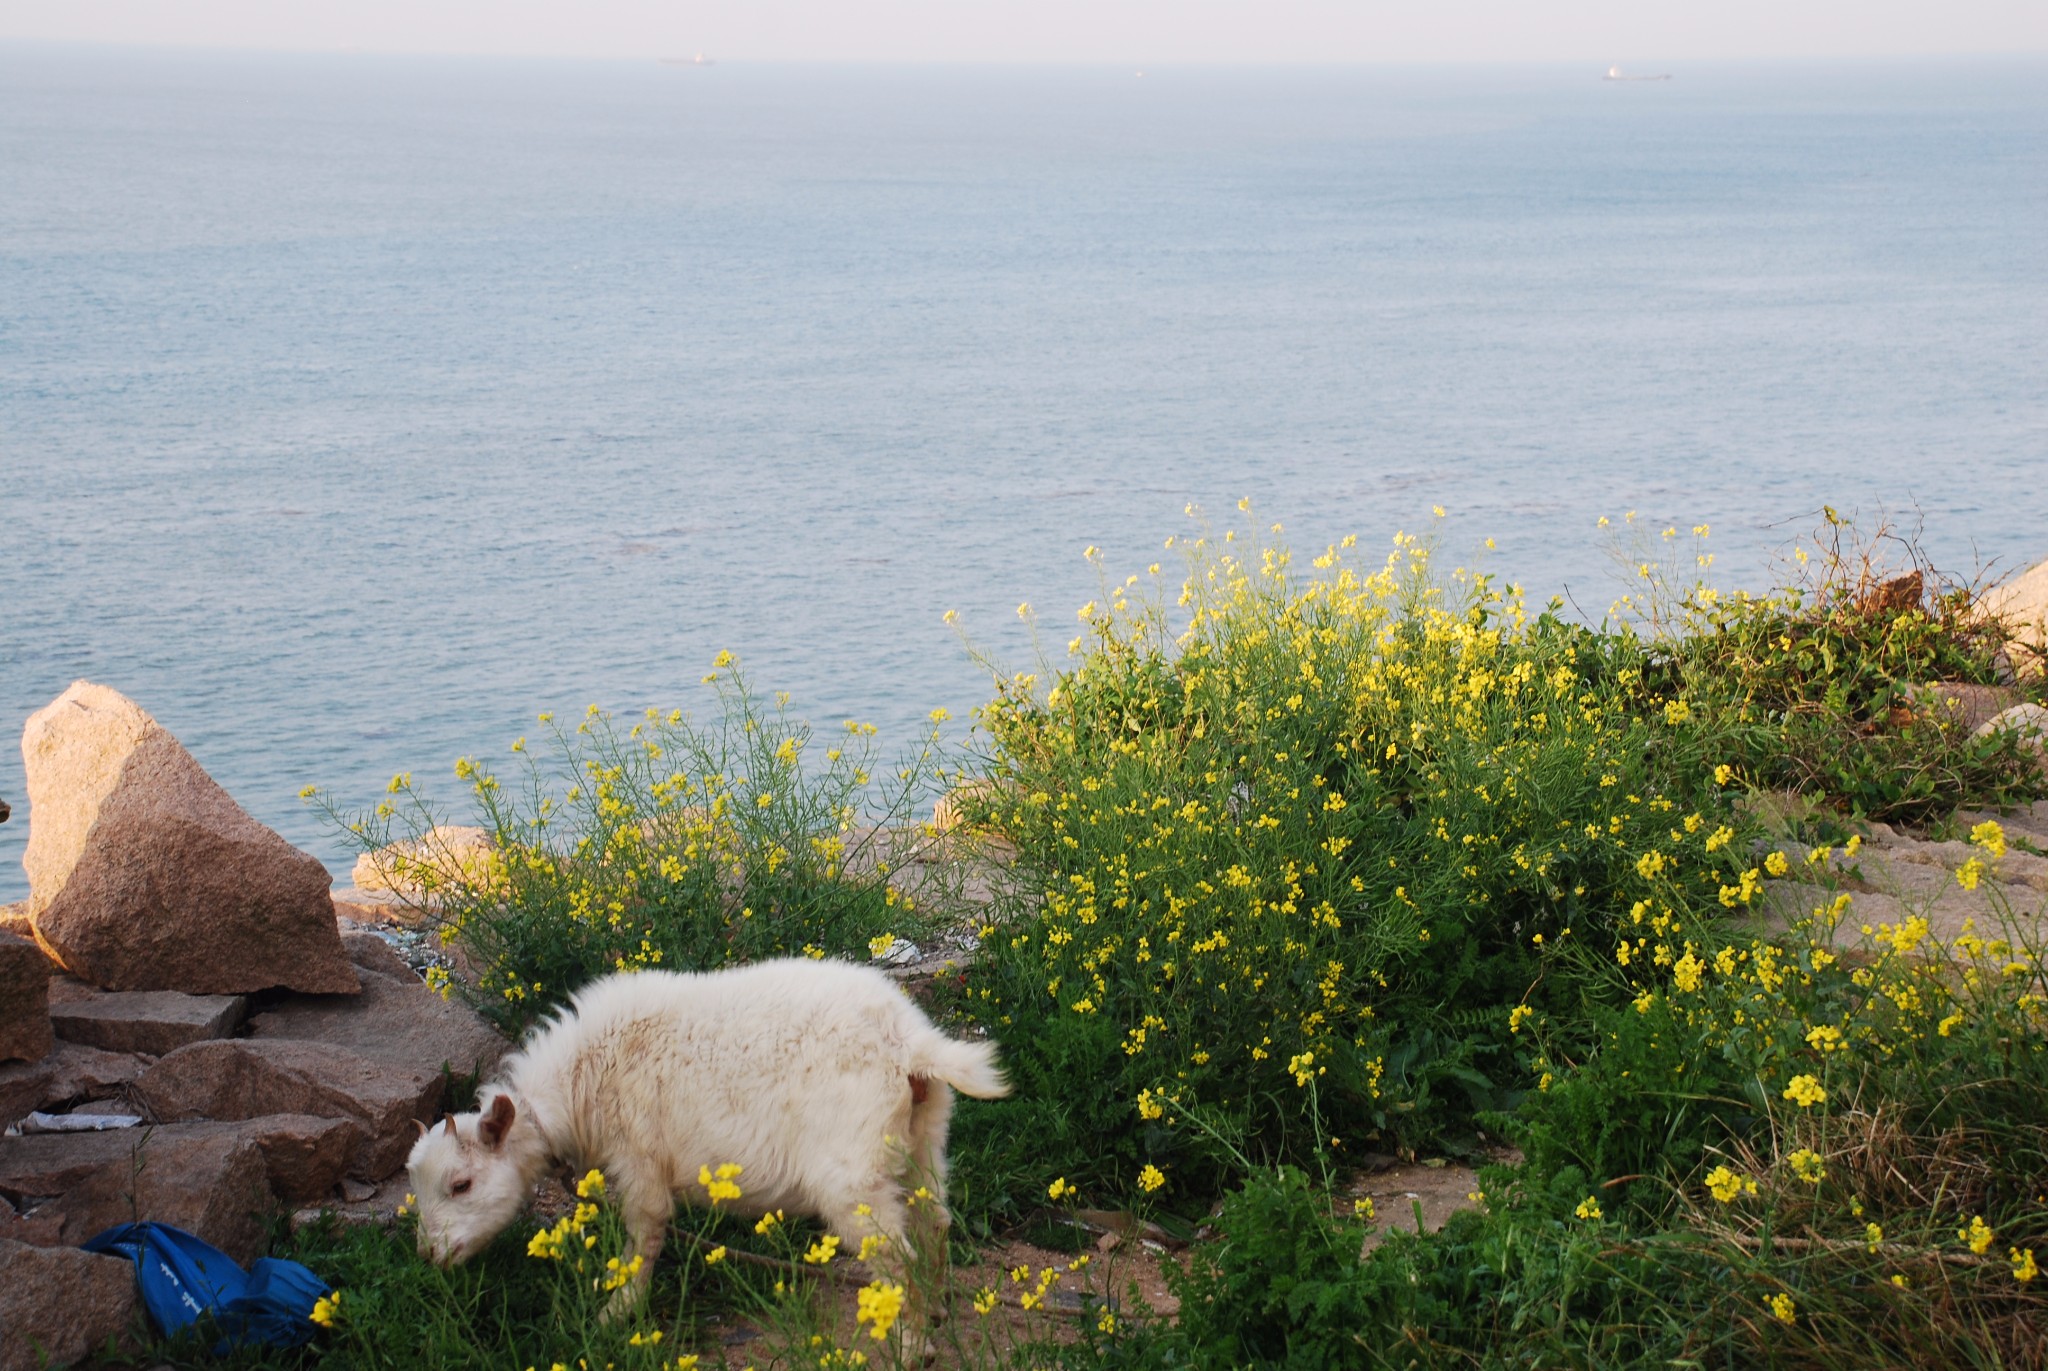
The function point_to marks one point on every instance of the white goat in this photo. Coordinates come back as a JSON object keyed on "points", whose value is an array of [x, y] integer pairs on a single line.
{"points": [[828, 1087]]}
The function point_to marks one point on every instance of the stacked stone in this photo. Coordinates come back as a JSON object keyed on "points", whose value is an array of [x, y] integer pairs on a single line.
{"points": [[179, 962]]}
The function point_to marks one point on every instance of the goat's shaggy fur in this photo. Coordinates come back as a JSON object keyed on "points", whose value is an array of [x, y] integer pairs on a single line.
{"points": [[828, 1087]]}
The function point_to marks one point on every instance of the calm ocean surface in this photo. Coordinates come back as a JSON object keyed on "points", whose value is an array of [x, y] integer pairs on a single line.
{"points": [[354, 409]]}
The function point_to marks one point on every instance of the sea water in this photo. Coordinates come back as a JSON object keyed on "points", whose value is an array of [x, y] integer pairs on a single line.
{"points": [[354, 409]]}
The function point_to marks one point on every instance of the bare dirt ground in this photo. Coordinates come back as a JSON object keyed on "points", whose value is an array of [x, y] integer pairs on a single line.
{"points": [[1121, 1274]]}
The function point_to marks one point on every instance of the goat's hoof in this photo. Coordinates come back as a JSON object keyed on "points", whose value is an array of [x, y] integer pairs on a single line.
{"points": [[620, 1307]]}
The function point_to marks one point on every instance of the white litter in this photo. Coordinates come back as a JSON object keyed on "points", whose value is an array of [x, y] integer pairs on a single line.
{"points": [[40, 1122]]}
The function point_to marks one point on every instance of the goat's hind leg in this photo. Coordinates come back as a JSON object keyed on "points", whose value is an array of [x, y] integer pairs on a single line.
{"points": [[882, 1230]]}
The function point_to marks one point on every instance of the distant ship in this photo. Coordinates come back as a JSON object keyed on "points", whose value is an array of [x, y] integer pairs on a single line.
{"points": [[1615, 74], [700, 60]]}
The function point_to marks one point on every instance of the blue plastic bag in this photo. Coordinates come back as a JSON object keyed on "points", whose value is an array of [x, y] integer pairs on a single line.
{"points": [[183, 1278]]}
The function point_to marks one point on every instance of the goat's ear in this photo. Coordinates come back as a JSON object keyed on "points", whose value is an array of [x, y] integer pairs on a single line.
{"points": [[493, 1126], [421, 1125], [448, 1124]]}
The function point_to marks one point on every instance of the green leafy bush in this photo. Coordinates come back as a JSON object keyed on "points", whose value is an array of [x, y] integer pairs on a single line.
{"points": [[1821, 685], [663, 843], [1322, 837]]}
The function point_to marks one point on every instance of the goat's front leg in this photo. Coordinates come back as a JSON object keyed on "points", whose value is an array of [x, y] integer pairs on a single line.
{"points": [[644, 1210]]}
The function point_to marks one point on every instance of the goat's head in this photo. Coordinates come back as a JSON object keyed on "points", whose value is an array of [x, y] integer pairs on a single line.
{"points": [[468, 1182]]}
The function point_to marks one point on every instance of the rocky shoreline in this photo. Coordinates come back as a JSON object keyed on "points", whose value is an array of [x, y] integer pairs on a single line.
{"points": [[192, 1029]]}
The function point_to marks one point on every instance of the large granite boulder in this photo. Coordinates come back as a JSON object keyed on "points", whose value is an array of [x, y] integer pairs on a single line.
{"points": [[145, 875], [57, 1304], [24, 1000], [243, 1078]]}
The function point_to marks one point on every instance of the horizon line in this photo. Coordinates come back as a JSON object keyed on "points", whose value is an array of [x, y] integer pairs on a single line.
{"points": [[712, 58]]}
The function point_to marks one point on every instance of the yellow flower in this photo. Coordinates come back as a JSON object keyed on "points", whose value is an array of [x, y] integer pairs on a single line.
{"points": [[1151, 1178], [618, 1273], [2023, 1267], [1873, 1234], [1723, 774], [1977, 1235], [714, 1256], [1807, 1165], [1516, 1016], [1149, 1106], [1969, 874], [1725, 1185], [591, 1186], [719, 1187], [1059, 1189], [1989, 836], [1783, 1309], [1686, 972], [326, 1309], [984, 1300], [1805, 1091], [768, 1221], [1589, 1208], [823, 1250], [1777, 864], [880, 1303], [1364, 1209]]}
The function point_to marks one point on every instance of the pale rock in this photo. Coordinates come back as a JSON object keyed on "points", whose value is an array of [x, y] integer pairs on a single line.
{"points": [[2021, 608], [958, 807], [58, 1304], [2021, 605], [2028, 720], [419, 868], [2028, 823], [145, 875], [24, 1000], [1961, 705]]}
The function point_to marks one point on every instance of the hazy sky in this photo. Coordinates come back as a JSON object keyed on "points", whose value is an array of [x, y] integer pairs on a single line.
{"points": [[1135, 31]]}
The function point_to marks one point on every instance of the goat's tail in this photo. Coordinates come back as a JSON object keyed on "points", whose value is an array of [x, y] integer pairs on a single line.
{"points": [[970, 1068]]}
